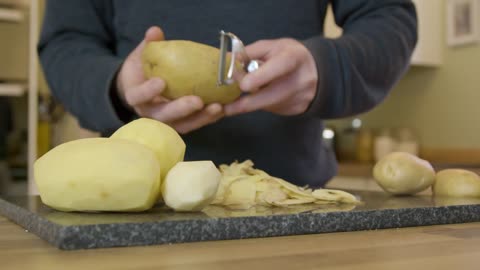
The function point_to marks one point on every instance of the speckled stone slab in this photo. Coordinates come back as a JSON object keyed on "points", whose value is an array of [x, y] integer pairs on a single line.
{"points": [[71, 231]]}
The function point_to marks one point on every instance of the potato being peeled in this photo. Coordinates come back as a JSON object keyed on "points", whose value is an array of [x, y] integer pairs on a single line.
{"points": [[456, 183], [188, 68], [191, 185], [403, 173], [98, 174]]}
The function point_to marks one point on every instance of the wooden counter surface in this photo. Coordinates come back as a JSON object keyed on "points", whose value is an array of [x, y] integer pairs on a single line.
{"points": [[431, 247]]}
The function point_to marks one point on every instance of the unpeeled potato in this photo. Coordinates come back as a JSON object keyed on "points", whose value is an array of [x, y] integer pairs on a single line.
{"points": [[456, 183], [188, 68], [98, 174], [403, 173]]}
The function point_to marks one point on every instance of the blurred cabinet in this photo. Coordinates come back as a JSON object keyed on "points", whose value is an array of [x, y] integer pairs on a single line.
{"points": [[67, 128], [14, 75], [14, 48], [330, 28], [429, 49]]}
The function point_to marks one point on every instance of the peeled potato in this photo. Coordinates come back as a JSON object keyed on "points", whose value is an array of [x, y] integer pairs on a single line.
{"points": [[403, 173], [456, 183], [98, 174], [161, 138], [188, 68], [191, 185]]}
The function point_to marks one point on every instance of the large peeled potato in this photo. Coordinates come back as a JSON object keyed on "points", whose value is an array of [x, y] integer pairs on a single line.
{"points": [[191, 185], [161, 138], [98, 174], [456, 183], [403, 173], [188, 68]]}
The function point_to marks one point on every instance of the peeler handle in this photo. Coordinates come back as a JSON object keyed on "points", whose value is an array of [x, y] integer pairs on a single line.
{"points": [[252, 66]]}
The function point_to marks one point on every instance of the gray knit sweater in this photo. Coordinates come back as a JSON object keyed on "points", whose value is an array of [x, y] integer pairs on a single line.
{"points": [[83, 43]]}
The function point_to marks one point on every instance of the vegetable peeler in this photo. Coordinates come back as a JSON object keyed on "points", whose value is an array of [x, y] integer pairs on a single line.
{"points": [[238, 55]]}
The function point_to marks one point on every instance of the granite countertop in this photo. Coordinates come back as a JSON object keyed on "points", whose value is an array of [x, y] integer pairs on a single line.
{"points": [[163, 226]]}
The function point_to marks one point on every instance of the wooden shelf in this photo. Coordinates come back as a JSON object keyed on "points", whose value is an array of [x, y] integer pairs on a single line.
{"points": [[12, 89], [11, 15]]}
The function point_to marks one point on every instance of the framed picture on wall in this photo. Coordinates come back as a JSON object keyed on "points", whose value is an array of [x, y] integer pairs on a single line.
{"points": [[462, 22]]}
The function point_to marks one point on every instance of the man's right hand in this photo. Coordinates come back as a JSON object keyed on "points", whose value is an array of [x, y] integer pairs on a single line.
{"points": [[184, 114]]}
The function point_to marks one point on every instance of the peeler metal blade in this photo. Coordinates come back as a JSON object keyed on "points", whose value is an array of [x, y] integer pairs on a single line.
{"points": [[222, 61], [237, 55]]}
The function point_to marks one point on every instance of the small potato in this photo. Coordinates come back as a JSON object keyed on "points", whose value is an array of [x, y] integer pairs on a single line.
{"points": [[191, 185], [456, 183], [403, 173], [98, 174]]}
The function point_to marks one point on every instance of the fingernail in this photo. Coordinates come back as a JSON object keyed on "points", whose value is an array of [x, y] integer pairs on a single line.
{"points": [[245, 84], [215, 109], [196, 103]]}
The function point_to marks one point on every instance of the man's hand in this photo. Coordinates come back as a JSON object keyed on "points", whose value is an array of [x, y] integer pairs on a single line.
{"points": [[285, 83], [144, 96]]}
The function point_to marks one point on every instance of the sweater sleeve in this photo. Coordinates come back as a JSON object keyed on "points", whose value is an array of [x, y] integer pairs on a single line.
{"points": [[77, 53], [357, 70]]}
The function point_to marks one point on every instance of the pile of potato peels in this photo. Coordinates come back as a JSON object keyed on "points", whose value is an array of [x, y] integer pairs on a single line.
{"points": [[242, 186]]}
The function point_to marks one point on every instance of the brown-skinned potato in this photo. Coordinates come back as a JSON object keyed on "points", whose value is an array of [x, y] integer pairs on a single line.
{"points": [[188, 68]]}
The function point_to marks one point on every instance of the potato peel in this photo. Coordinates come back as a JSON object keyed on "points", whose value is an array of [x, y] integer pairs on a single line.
{"points": [[334, 195], [242, 187]]}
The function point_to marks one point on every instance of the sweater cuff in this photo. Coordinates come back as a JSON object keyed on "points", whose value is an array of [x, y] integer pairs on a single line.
{"points": [[325, 55], [123, 112], [114, 113]]}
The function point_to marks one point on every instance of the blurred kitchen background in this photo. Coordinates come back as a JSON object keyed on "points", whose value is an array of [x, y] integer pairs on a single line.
{"points": [[432, 112]]}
